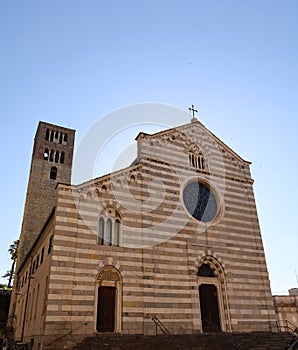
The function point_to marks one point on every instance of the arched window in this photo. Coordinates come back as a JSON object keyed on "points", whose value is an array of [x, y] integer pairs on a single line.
{"points": [[46, 154], [116, 234], [196, 158], [60, 137], [56, 135], [65, 138], [101, 231], [201, 162], [52, 136], [47, 135], [50, 244], [89, 195], [62, 157], [37, 262], [193, 160], [42, 255], [51, 156], [139, 177], [30, 270], [109, 230], [57, 157], [53, 173]]}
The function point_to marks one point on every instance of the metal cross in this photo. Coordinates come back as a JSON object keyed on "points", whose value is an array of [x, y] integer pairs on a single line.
{"points": [[193, 110]]}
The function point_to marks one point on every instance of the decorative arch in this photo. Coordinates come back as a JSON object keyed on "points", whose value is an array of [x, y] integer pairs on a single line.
{"points": [[108, 300], [108, 273], [213, 263], [109, 227], [211, 256], [96, 193], [89, 195], [196, 157], [213, 297], [139, 177]]}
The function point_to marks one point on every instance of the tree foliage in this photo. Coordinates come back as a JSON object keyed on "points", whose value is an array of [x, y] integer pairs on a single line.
{"points": [[13, 251]]}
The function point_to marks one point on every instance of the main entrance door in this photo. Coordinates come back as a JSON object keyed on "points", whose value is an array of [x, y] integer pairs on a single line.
{"points": [[209, 307], [106, 309]]}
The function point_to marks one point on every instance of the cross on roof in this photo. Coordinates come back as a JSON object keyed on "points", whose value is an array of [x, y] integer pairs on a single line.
{"points": [[193, 110]]}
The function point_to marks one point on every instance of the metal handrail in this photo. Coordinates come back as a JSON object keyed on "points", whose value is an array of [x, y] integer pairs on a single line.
{"points": [[287, 325], [227, 337], [65, 334], [166, 332]]}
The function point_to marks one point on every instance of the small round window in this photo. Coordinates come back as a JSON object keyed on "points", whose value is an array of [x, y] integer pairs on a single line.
{"points": [[200, 201]]}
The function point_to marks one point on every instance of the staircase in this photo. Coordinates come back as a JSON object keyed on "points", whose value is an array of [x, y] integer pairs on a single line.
{"points": [[206, 341]]}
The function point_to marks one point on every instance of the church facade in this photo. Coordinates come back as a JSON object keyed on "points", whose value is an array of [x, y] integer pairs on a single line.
{"points": [[173, 236]]}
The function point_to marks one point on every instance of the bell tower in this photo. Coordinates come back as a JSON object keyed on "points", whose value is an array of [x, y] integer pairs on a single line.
{"points": [[51, 164]]}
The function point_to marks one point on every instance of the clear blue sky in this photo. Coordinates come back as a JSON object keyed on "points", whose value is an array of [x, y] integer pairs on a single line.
{"points": [[70, 62]]}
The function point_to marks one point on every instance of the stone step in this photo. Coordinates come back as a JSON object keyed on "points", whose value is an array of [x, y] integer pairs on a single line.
{"points": [[248, 341]]}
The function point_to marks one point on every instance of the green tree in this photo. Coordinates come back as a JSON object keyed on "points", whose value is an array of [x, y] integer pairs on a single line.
{"points": [[5, 294], [13, 251]]}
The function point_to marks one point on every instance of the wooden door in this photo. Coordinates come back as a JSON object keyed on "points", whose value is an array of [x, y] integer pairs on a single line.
{"points": [[106, 309], [209, 308]]}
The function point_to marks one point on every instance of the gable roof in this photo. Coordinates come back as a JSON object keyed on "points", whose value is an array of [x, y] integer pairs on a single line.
{"points": [[190, 125]]}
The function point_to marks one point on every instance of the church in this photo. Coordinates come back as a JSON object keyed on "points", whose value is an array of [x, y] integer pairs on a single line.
{"points": [[174, 236]]}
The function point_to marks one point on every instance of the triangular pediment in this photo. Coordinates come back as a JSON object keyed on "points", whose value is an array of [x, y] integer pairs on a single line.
{"points": [[192, 133], [174, 146]]}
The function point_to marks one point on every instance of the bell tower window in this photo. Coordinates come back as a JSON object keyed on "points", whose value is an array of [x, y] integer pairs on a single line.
{"points": [[47, 135], [57, 157], [62, 157], [51, 156], [53, 173], [46, 154]]}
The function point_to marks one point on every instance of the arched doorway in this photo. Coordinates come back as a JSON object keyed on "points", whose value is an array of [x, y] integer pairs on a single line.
{"points": [[211, 290], [108, 311]]}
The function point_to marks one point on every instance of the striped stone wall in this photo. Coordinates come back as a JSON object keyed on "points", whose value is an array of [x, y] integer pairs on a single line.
{"points": [[154, 268], [162, 245]]}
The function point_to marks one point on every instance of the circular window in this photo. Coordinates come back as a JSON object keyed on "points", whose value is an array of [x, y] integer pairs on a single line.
{"points": [[200, 201]]}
